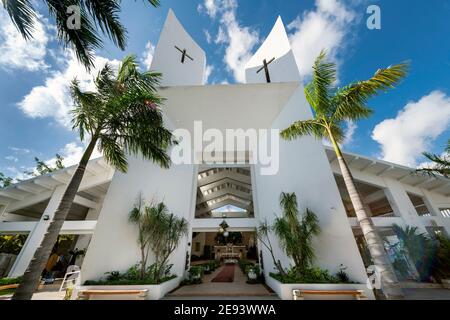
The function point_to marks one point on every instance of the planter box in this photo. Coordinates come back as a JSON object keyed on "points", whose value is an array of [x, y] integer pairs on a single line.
{"points": [[284, 290], [155, 291], [446, 283]]}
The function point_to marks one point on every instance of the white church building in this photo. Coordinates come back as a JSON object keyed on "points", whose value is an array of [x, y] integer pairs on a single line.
{"points": [[241, 187]]}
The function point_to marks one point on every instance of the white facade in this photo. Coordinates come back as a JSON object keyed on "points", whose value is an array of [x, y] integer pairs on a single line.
{"points": [[306, 167]]}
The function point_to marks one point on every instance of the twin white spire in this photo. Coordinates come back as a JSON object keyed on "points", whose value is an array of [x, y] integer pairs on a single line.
{"points": [[182, 62]]}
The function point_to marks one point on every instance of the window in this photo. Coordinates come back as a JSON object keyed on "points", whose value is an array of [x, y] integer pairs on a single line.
{"points": [[419, 204], [445, 212]]}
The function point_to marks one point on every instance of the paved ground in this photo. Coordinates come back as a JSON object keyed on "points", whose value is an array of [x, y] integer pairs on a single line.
{"points": [[237, 288], [427, 294]]}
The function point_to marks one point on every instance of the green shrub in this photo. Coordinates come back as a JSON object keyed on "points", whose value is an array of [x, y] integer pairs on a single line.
{"points": [[243, 264], [7, 281], [133, 277], [124, 281], [310, 275]]}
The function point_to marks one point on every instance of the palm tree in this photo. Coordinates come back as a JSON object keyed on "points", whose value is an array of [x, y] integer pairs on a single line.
{"points": [[332, 107], [263, 235], [164, 231], [419, 247], [139, 217], [295, 235], [95, 15], [122, 117], [441, 164]]}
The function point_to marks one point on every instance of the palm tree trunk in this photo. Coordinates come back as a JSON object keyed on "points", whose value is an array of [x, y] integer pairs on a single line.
{"points": [[32, 276], [389, 282]]}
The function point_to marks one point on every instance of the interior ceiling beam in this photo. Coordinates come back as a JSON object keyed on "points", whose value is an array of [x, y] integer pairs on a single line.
{"points": [[225, 191], [216, 183], [221, 204], [222, 175]]}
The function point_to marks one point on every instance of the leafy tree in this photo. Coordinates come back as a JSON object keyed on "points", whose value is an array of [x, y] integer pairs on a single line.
{"points": [[122, 117], [441, 164], [332, 107], [5, 181], [97, 18], [43, 168], [12, 243]]}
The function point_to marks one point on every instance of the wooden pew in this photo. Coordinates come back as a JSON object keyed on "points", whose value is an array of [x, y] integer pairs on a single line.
{"points": [[9, 286], [300, 293], [86, 294]]}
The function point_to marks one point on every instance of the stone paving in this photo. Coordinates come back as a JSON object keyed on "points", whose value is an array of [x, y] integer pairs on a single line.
{"points": [[237, 288]]}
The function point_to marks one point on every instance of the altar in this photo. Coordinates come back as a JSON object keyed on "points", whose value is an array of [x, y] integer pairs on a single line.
{"points": [[230, 252]]}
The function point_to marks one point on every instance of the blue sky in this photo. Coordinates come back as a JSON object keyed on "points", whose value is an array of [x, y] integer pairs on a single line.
{"points": [[413, 118]]}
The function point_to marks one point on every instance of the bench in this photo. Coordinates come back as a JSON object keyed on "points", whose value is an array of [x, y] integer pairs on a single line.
{"points": [[9, 286], [300, 294], [86, 294]]}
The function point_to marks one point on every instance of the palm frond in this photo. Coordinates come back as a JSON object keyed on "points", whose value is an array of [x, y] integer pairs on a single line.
{"points": [[83, 41], [304, 128], [324, 76], [113, 152], [22, 15], [106, 15], [350, 102], [440, 166]]}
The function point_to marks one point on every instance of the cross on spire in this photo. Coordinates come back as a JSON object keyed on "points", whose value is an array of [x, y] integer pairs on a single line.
{"points": [[266, 69], [183, 54]]}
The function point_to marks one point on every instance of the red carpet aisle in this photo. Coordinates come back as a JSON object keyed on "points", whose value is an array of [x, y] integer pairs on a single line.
{"points": [[226, 275]]}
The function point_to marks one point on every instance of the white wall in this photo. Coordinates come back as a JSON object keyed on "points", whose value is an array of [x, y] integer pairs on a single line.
{"points": [[167, 59], [114, 244], [304, 169]]}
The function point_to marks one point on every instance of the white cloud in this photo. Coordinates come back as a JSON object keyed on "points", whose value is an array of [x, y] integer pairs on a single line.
{"points": [[326, 27], [15, 52], [350, 130], [221, 37], [12, 158], [72, 153], [52, 99], [411, 132], [207, 35], [239, 40], [210, 7], [209, 69], [21, 151], [148, 55]]}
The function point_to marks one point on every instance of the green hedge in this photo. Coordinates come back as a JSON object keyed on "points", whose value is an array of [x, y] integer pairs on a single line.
{"points": [[7, 281], [124, 282]]}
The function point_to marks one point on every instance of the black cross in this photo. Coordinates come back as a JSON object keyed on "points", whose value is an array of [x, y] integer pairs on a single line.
{"points": [[266, 68], [183, 54]]}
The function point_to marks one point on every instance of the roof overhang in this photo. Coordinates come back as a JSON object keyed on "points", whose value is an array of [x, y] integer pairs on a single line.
{"points": [[403, 174], [239, 106]]}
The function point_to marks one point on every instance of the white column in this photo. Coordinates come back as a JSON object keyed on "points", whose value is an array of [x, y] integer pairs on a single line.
{"points": [[37, 234], [403, 205]]}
